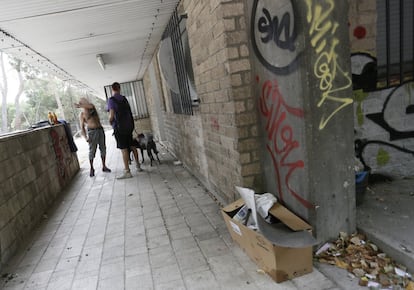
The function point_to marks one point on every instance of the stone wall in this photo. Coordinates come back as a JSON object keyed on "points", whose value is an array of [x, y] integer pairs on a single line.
{"points": [[383, 123], [36, 166]]}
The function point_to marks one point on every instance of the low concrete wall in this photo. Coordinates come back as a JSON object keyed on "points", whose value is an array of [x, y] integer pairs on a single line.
{"points": [[35, 167]]}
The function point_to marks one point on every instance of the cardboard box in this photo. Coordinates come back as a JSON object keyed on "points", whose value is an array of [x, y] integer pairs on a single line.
{"points": [[280, 262]]}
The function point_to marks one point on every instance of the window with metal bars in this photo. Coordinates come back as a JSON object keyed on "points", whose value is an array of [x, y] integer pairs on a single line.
{"points": [[183, 97], [134, 92], [395, 41]]}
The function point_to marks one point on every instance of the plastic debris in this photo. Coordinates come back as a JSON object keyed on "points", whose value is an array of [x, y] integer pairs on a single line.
{"points": [[260, 271], [363, 259]]}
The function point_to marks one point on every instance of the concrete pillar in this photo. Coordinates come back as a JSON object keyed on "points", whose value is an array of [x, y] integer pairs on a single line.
{"points": [[302, 83]]}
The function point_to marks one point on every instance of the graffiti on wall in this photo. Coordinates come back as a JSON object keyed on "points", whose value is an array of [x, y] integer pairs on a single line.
{"points": [[364, 71], [274, 35], [395, 118], [332, 78], [281, 138], [63, 158]]}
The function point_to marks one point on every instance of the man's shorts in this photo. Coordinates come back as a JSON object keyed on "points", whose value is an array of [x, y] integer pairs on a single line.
{"points": [[123, 141]]}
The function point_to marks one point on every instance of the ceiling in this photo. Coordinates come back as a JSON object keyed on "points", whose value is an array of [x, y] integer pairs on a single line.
{"points": [[63, 37]]}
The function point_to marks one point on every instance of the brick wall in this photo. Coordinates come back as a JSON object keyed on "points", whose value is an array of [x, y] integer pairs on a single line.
{"points": [[363, 25], [36, 166], [219, 141]]}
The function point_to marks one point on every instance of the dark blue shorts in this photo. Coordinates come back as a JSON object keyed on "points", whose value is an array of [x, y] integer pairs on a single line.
{"points": [[123, 141]]}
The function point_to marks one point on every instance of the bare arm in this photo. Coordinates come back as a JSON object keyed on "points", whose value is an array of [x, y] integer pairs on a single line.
{"points": [[82, 124]]}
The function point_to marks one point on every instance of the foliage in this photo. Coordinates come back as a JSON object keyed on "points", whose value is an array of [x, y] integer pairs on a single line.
{"points": [[43, 93]]}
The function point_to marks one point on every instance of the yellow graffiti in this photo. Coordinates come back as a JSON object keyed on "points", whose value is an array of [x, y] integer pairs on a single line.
{"points": [[326, 68]]}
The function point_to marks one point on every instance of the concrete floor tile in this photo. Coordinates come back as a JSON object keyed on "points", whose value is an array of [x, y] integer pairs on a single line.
{"points": [[166, 274], [192, 261], [46, 265], [94, 240], [225, 266], [67, 263], [114, 241], [61, 280], [201, 281], [113, 283], [157, 242], [112, 253], [139, 282], [171, 285], [313, 281], [163, 258], [88, 267], [153, 222], [112, 270], [39, 280], [214, 247], [88, 283], [131, 249], [184, 244], [180, 233], [153, 233]]}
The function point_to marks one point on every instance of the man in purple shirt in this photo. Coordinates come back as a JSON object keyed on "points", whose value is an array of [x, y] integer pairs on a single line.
{"points": [[120, 117]]}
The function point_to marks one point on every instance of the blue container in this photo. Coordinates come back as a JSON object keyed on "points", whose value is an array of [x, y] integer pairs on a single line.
{"points": [[361, 184]]}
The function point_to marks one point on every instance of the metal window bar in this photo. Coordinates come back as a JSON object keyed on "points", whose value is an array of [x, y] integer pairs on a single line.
{"points": [[401, 41], [134, 92], [387, 37], [182, 103]]}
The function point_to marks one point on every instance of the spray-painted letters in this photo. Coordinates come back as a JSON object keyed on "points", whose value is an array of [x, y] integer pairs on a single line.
{"points": [[280, 138], [326, 68], [274, 34]]}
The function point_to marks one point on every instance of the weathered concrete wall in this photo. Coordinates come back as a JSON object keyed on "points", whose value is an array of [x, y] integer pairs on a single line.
{"points": [[36, 166], [303, 86], [383, 122]]}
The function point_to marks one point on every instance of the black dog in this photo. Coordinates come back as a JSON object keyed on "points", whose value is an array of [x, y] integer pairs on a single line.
{"points": [[143, 142]]}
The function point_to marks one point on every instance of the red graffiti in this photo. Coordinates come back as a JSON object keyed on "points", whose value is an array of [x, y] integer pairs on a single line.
{"points": [[214, 123], [360, 32], [280, 137], [60, 160]]}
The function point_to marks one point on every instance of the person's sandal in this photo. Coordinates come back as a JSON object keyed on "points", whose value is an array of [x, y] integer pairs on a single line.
{"points": [[92, 172], [106, 169]]}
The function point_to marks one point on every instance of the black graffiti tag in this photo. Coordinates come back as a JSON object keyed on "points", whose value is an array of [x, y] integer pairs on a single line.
{"points": [[274, 35], [273, 29]]}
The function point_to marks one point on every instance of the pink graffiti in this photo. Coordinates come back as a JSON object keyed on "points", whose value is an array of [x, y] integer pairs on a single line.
{"points": [[60, 160], [215, 124], [281, 137]]}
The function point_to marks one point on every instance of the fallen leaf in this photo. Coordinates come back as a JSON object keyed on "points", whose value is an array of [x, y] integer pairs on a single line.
{"points": [[341, 264], [410, 286]]}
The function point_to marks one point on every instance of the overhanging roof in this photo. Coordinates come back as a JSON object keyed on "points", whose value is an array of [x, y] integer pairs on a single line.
{"points": [[64, 36]]}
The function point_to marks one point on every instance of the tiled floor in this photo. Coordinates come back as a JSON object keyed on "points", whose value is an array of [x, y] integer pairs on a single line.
{"points": [[157, 230]]}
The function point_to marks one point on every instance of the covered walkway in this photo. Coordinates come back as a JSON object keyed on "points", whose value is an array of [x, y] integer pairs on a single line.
{"points": [[158, 230]]}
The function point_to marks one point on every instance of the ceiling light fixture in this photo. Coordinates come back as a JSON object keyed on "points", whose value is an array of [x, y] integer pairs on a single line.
{"points": [[100, 61]]}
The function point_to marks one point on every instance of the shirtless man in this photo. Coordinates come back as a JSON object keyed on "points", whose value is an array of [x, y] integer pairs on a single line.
{"points": [[95, 134]]}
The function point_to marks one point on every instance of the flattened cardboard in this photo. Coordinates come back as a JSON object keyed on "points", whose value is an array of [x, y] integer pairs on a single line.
{"points": [[289, 218], [280, 262]]}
